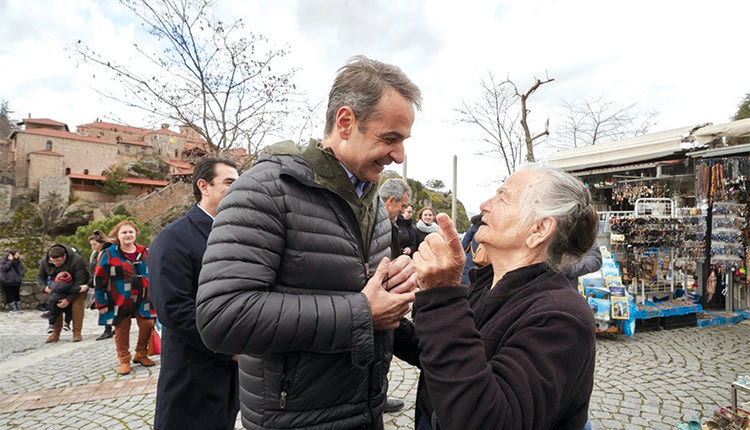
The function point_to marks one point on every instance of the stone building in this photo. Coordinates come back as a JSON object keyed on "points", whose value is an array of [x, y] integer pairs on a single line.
{"points": [[47, 148]]}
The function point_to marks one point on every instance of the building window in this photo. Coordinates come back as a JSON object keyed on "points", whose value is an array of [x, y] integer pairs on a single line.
{"points": [[49, 145], [67, 170], [127, 148], [85, 171], [175, 154], [143, 149]]}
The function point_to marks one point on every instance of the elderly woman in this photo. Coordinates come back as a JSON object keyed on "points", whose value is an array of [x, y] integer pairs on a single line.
{"points": [[121, 283], [516, 350]]}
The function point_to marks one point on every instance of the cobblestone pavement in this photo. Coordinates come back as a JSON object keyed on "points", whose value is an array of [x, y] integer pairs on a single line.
{"points": [[654, 380]]}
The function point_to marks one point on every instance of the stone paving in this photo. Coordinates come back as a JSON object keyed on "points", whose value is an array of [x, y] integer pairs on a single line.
{"points": [[654, 380]]}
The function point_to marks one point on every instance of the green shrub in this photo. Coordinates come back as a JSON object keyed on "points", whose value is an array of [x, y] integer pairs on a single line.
{"points": [[80, 240]]}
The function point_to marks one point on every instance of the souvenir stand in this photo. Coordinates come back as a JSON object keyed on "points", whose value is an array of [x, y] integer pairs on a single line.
{"points": [[661, 243], [614, 309], [722, 192]]}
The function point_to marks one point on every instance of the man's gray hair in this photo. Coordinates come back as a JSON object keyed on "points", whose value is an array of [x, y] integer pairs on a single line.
{"points": [[395, 188], [565, 198], [361, 83]]}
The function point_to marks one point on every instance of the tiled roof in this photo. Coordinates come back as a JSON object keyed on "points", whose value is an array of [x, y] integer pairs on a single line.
{"points": [[62, 134], [46, 152], [44, 121], [101, 125], [135, 181], [139, 181]]}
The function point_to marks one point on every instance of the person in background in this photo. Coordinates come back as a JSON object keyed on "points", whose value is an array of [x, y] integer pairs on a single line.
{"points": [[590, 262], [121, 283], [209, 397], [425, 224], [407, 236], [98, 241], [60, 288], [11, 275], [470, 245], [62, 258], [297, 276], [395, 195], [517, 349]]}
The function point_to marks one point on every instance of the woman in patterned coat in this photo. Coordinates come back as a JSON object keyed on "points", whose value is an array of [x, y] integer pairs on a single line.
{"points": [[121, 283]]}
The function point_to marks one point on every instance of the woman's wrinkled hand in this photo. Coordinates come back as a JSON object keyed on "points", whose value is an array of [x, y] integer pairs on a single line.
{"points": [[439, 262]]}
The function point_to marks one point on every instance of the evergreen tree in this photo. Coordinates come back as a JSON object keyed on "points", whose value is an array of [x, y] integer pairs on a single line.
{"points": [[743, 109], [7, 125]]}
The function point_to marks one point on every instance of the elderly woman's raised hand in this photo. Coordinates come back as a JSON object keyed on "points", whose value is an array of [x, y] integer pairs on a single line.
{"points": [[440, 259]]}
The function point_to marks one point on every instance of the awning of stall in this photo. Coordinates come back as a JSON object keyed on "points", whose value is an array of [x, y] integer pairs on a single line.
{"points": [[626, 167], [648, 147], [708, 134], [724, 151]]}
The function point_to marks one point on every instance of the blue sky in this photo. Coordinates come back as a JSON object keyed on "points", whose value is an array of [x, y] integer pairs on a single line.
{"points": [[683, 59]]}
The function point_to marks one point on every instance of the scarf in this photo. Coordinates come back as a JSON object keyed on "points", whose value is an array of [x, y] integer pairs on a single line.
{"points": [[424, 228]]}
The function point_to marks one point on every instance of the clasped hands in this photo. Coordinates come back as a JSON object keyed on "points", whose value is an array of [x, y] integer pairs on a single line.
{"points": [[438, 263]]}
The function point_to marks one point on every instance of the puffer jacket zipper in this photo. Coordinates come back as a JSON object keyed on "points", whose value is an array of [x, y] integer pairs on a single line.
{"points": [[284, 383]]}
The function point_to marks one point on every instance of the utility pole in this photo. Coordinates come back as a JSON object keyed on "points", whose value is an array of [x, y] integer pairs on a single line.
{"points": [[403, 167], [454, 199]]}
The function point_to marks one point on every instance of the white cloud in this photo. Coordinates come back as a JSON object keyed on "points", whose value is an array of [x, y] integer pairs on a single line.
{"points": [[682, 58]]}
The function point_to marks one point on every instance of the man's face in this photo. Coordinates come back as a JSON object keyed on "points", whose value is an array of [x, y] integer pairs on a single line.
{"points": [[382, 143], [394, 207], [58, 261], [217, 188], [503, 227]]}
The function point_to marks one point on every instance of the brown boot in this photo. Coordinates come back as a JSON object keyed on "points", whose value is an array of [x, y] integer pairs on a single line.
{"points": [[142, 358], [78, 313], [57, 328], [124, 368], [122, 345], [145, 327]]}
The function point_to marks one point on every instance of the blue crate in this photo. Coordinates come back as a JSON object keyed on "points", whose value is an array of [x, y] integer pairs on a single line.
{"points": [[708, 322], [647, 310]]}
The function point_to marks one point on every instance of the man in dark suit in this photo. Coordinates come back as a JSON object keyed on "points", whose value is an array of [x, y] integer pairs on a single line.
{"points": [[197, 388]]}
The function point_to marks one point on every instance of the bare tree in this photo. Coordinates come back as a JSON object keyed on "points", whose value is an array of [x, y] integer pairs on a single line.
{"points": [[501, 114], [591, 121], [529, 139], [213, 76]]}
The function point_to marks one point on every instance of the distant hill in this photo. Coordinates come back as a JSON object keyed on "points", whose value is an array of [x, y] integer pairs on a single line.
{"points": [[422, 196]]}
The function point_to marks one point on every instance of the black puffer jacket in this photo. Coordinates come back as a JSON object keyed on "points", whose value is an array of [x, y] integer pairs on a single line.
{"points": [[281, 282]]}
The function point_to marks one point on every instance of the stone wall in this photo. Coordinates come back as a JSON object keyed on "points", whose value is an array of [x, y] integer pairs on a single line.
{"points": [[6, 191], [31, 295], [41, 166], [50, 186], [148, 207], [78, 155]]}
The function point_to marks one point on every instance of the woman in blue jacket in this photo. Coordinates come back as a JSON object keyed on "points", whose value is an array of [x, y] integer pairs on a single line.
{"points": [[11, 275]]}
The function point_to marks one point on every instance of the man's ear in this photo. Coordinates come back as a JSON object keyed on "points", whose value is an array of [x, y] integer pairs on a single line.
{"points": [[203, 186], [345, 120], [540, 231]]}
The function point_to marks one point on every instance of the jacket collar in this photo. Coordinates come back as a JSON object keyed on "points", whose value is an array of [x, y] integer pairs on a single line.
{"points": [[200, 219], [330, 173], [516, 284]]}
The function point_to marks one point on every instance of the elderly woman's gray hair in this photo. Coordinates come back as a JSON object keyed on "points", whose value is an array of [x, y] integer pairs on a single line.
{"points": [[395, 188], [565, 198]]}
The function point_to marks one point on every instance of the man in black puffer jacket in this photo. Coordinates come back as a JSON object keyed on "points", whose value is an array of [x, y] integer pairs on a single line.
{"points": [[296, 275]]}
